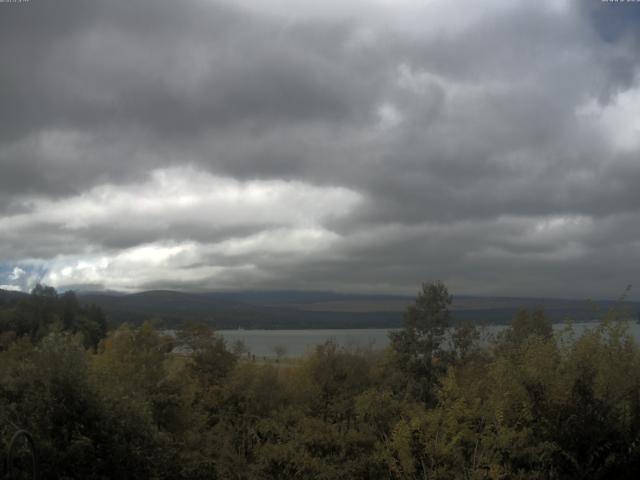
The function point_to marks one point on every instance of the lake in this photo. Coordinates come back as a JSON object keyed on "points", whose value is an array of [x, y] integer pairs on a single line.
{"points": [[262, 343]]}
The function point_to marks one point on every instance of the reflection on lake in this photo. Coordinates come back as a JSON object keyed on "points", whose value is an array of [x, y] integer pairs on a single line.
{"points": [[263, 343]]}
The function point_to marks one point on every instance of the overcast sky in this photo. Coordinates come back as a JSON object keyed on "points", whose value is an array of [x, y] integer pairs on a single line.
{"points": [[357, 146]]}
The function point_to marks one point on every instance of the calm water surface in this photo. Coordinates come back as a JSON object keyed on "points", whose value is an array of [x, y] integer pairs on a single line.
{"points": [[263, 343]]}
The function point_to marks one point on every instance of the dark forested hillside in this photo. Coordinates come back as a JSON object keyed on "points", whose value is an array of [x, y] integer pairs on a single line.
{"points": [[221, 311], [308, 309]]}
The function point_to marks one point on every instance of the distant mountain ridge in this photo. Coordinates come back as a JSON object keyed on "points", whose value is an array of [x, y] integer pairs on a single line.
{"points": [[6, 295], [322, 309], [293, 309]]}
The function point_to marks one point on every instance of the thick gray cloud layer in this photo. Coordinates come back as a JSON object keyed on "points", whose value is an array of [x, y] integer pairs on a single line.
{"points": [[364, 145]]}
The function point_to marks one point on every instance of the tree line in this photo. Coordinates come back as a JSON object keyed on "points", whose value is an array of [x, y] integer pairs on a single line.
{"points": [[438, 403]]}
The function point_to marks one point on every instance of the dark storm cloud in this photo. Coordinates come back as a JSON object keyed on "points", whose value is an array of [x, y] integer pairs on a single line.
{"points": [[355, 146], [178, 70], [161, 69]]}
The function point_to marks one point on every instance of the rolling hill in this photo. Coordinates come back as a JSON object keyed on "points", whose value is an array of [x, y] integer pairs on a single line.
{"points": [[308, 309]]}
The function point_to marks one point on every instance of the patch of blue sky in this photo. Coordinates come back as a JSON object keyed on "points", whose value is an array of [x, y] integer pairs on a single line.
{"points": [[614, 19], [20, 276]]}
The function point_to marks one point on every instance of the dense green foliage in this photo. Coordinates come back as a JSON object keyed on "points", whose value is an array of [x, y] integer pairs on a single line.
{"points": [[529, 404], [44, 311]]}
